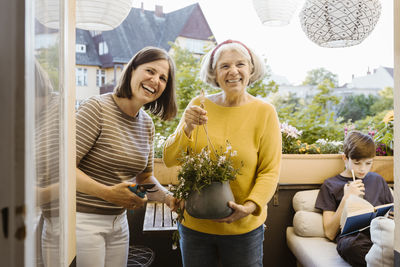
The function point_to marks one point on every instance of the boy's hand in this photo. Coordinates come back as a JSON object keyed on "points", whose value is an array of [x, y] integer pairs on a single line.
{"points": [[354, 188]]}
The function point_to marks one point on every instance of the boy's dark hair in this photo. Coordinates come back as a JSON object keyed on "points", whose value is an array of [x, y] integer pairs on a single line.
{"points": [[358, 146], [165, 106]]}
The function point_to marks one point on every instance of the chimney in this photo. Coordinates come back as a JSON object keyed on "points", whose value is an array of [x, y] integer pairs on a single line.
{"points": [[142, 7], [368, 71], [352, 76], [159, 11]]}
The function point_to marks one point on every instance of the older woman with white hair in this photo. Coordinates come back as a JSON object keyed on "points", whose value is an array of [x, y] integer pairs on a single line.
{"points": [[252, 128]]}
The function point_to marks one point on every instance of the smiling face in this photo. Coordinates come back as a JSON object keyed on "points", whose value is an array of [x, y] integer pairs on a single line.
{"points": [[232, 72], [149, 80]]}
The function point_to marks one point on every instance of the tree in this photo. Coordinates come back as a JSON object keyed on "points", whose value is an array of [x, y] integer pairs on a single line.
{"points": [[385, 102], [356, 107], [286, 105], [317, 119], [318, 76]]}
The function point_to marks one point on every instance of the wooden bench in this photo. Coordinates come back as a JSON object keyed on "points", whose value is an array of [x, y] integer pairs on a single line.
{"points": [[159, 217]]}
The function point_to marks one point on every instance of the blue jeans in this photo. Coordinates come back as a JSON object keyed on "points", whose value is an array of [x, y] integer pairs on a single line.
{"points": [[200, 249]]}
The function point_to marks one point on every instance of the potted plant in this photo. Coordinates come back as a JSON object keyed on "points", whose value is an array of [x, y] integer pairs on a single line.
{"points": [[203, 182]]}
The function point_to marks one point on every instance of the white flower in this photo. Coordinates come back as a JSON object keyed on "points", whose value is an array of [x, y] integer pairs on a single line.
{"points": [[290, 130], [322, 142], [228, 148]]}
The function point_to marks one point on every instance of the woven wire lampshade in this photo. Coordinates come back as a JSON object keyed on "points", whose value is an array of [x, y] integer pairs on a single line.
{"points": [[97, 15], [339, 23], [275, 12]]}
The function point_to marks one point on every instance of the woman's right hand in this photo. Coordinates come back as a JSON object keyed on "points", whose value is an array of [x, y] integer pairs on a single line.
{"points": [[354, 188], [194, 115], [120, 195]]}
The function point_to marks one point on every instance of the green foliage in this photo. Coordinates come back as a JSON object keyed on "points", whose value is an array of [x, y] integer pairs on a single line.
{"points": [[292, 144], [369, 122], [49, 60], [261, 88], [384, 136], [201, 169], [318, 76], [356, 107], [385, 102], [316, 120]]}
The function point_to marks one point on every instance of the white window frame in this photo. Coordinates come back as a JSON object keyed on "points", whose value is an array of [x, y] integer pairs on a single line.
{"points": [[103, 48], [80, 48], [100, 77], [81, 77]]}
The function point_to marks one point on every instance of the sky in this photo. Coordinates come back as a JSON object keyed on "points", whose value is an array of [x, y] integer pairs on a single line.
{"points": [[287, 49]]}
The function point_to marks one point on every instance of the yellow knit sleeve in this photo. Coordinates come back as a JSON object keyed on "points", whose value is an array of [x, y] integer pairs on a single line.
{"points": [[268, 163], [178, 142]]}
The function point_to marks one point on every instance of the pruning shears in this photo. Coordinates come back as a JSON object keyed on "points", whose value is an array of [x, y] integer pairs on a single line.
{"points": [[141, 189]]}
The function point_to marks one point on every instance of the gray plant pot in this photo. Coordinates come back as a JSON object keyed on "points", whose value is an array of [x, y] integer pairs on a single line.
{"points": [[211, 202]]}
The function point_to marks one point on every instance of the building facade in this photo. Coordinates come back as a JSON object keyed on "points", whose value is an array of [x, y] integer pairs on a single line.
{"points": [[101, 56]]}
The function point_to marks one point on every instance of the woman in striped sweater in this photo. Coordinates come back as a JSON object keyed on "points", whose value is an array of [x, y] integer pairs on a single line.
{"points": [[114, 138]]}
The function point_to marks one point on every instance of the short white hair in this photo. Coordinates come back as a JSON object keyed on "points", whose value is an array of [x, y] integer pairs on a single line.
{"points": [[207, 70]]}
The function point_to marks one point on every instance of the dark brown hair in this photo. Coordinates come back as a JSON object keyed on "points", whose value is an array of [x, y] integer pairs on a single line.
{"points": [[358, 146], [165, 106]]}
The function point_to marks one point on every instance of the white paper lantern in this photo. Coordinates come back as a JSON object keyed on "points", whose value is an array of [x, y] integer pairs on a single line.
{"points": [[339, 23], [98, 15], [275, 12]]}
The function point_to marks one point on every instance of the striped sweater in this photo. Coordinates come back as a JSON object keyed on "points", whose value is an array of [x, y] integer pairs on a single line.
{"points": [[47, 150], [111, 147]]}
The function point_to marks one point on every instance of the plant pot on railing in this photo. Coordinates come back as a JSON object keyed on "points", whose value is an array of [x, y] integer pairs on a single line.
{"points": [[211, 202]]}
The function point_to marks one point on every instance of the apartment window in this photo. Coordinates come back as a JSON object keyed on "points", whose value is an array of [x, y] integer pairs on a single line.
{"points": [[100, 77], [81, 77], [195, 46], [80, 48], [103, 48]]}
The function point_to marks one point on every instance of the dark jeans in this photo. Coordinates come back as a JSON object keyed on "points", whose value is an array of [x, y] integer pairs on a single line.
{"points": [[206, 250], [353, 248]]}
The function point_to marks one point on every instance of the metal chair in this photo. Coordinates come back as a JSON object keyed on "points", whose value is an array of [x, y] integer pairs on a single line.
{"points": [[140, 256]]}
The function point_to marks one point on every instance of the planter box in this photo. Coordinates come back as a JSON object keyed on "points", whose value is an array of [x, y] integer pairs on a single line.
{"points": [[164, 174], [296, 168], [315, 168]]}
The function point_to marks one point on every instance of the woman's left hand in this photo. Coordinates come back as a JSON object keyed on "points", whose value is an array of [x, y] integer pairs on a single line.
{"points": [[240, 211], [172, 203]]}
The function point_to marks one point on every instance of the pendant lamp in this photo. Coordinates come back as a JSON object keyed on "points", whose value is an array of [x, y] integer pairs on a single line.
{"points": [[97, 15], [339, 23], [275, 12]]}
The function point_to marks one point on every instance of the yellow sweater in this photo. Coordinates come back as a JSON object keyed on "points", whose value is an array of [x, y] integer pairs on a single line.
{"points": [[253, 131]]}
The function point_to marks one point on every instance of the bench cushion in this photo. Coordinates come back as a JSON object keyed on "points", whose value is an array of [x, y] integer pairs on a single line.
{"points": [[305, 200], [308, 224], [313, 251]]}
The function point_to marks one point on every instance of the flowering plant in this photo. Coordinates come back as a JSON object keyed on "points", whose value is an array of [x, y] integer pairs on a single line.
{"points": [[159, 141], [199, 170], [289, 138], [384, 136], [291, 144]]}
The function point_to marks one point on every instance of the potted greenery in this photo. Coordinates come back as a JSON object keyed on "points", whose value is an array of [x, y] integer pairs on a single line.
{"points": [[203, 182], [323, 159]]}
